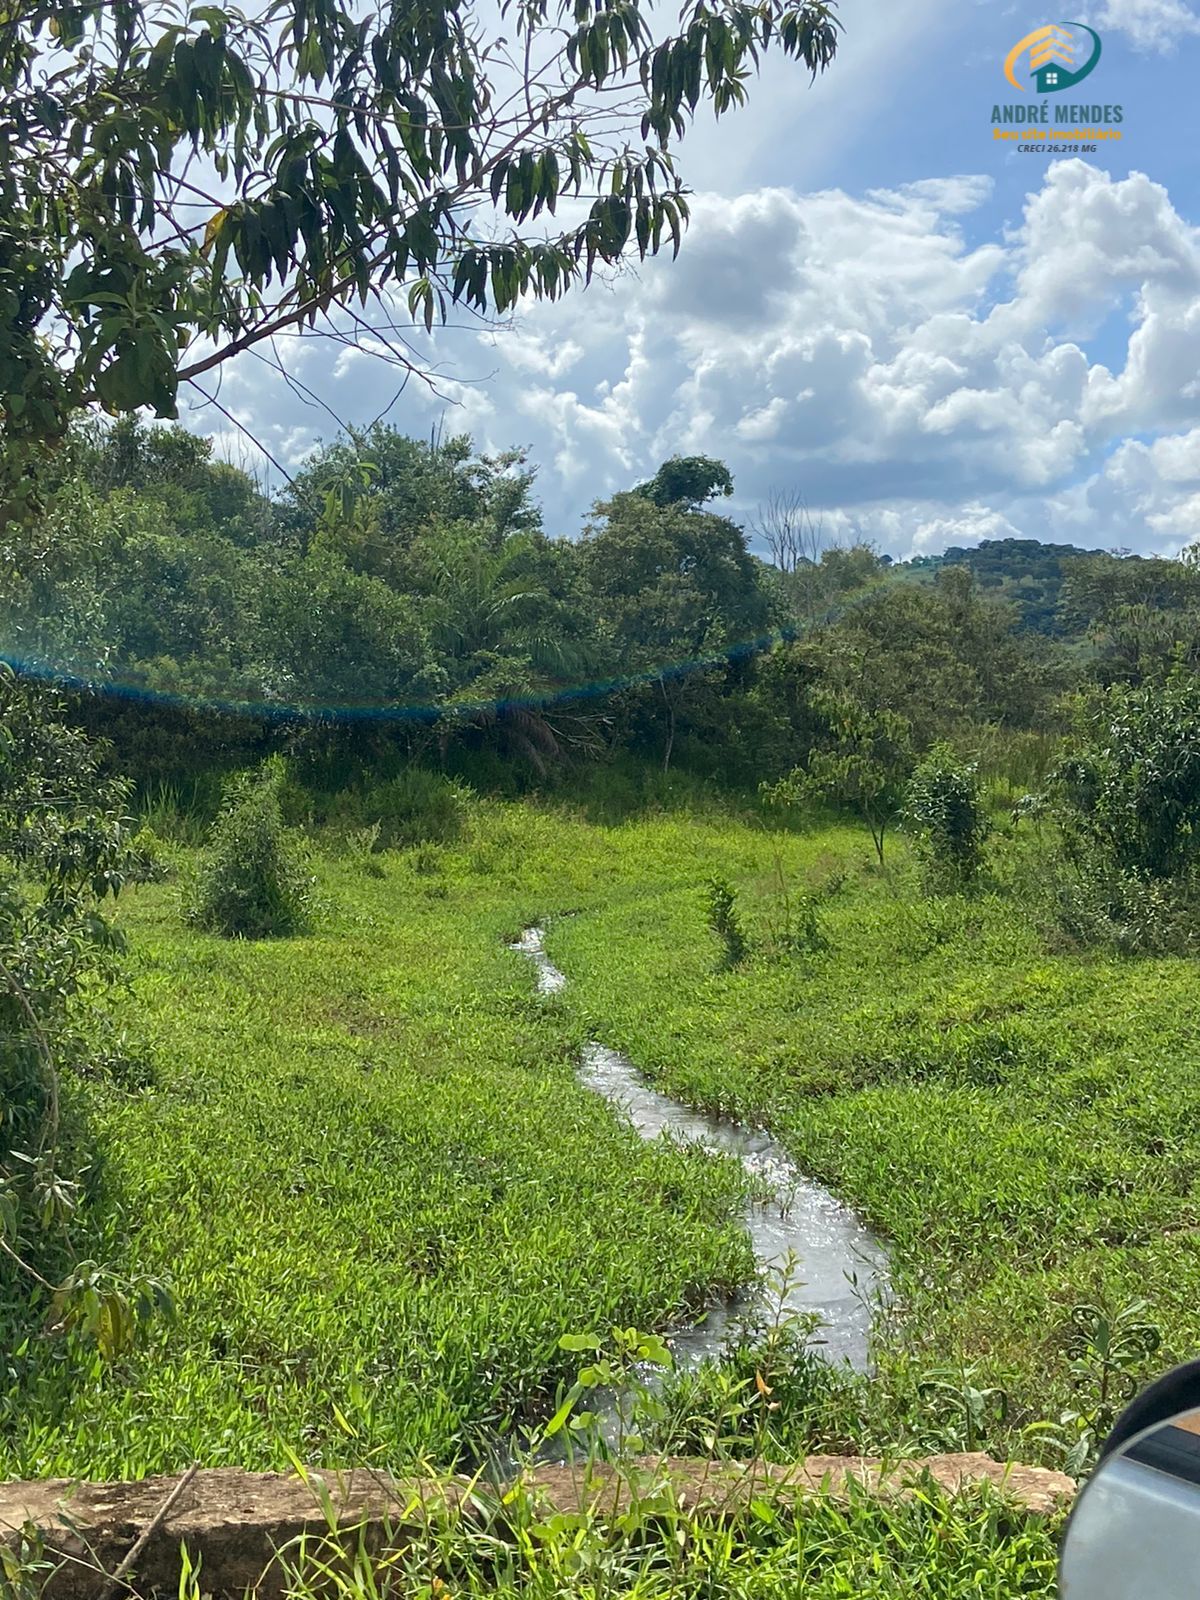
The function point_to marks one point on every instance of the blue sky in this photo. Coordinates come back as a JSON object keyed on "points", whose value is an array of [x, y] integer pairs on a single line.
{"points": [[933, 337]]}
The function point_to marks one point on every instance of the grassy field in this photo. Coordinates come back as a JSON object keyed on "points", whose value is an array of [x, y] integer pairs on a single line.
{"points": [[367, 1167], [969, 1547], [1020, 1126]]}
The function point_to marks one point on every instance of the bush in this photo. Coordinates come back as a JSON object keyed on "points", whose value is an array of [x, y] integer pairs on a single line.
{"points": [[792, 918], [413, 808], [724, 921], [65, 848], [1127, 799], [864, 769], [1128, 794], [1097, 905], [252, 882], [418, 807], [150, 857], [361, 846], [944, 811]]}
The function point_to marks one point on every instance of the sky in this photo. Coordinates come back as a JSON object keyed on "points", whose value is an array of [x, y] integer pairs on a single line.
{"points": [[934, 337]]}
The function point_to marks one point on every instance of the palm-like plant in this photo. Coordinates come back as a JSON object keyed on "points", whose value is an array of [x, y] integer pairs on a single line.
{"points": [[508, 635]]}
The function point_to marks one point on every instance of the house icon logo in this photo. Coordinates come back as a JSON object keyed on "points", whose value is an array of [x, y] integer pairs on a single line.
{"points": [[1055, 55]]}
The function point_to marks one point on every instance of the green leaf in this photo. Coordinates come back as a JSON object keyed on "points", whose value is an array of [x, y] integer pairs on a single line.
{"points": [[579, 1342], [558, 1420]]}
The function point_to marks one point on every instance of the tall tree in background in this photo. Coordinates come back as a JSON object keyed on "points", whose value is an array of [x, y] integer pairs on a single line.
{"points": [[674, 584], [180, 185], [793, 535], [936, 656]]}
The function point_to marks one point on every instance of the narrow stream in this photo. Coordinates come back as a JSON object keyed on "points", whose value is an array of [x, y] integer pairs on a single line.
{"points": [[831, 1244]]}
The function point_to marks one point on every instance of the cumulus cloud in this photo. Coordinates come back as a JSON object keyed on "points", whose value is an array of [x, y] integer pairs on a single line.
{"points": [[969, 527], [925, 385], [1145, 495], [1156, 25]]}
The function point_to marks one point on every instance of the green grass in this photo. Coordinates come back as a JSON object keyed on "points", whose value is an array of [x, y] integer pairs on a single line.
{"points": [[971, 1546], [1022, 1127], [370, 1173], [367, 1166]]}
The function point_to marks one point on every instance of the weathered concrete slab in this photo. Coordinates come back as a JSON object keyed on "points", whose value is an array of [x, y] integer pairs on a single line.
{"points": [[727, 1487], [236, 1522]]}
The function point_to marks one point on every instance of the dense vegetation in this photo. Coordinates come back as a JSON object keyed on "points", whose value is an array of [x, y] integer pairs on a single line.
{"points": [[365, 1162], [399, 574], [295, 1160]]}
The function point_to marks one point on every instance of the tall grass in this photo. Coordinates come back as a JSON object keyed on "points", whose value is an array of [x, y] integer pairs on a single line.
{"points": [[179, 813], [1012, 762], [929, 1547]]}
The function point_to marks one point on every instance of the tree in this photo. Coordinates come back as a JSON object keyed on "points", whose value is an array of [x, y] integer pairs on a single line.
{"points": [[1026, 573], [1129, 791], [816, 572], [335, 638], [675, 588], [1142, 616], [790, 531], [687, 481], [942, 657], [864, 767], [177, 187], [142, 567], [412, 484]]}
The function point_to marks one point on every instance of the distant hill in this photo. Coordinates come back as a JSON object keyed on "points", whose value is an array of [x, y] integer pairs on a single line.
{"points": [[1025, 572]]}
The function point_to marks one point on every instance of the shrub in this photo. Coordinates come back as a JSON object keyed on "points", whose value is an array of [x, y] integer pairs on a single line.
{"points": [[944, 810], [418, 807], [792, 919], [865, 767], [361, 846], [150, 858], [1128, 794], [1097, 904], [65, 848], [252, 882], [1127, 800], [724, 921]]}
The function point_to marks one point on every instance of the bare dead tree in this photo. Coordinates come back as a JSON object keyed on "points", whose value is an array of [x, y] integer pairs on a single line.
{"points": [[797, 540], [789, 529]]}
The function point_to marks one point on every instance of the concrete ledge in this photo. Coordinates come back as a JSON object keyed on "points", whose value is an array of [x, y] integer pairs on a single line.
{"points": [[726, 1487], [236, 1522]]}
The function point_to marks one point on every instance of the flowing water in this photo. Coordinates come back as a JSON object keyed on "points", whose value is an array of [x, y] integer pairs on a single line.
{"points": [[842, 1267]]}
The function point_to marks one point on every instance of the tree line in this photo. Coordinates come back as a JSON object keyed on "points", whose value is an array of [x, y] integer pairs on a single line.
{"points": [[407, 590]]}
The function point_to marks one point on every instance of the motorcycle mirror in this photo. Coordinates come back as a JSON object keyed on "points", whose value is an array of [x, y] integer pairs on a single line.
{"points": [[1134, 1533]]}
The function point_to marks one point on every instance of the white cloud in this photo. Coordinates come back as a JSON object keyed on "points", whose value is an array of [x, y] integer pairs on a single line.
{"points": [[924, 388], [532, 354], [1145, 495], [764, 424], [1156, 25]]}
